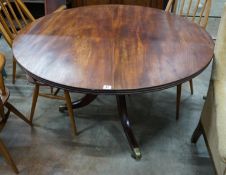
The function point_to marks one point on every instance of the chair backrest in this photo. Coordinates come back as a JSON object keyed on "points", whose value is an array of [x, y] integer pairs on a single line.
{"points": [[14, 15], [196, 10]]}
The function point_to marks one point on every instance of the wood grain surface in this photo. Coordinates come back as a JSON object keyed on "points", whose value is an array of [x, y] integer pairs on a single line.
{"points": [[113, 49]]}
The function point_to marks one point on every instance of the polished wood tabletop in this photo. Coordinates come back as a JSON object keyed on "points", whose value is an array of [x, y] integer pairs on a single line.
{"points": [[113, 49]]}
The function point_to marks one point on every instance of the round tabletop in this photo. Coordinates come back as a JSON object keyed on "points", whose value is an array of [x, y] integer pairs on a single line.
{"points": [[113, 49]]}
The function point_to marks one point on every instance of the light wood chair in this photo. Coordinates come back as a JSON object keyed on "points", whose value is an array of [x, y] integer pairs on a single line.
{"points": [[9, 25], [4, 116], [14, 19], [191, 10]]}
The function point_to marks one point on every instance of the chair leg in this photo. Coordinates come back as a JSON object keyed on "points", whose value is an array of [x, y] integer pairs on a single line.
{"points": [[197, 133], [7, 156], [14, 70], [191, 86], [70, 111], [16, 112], [34, 101], [178, 101]]}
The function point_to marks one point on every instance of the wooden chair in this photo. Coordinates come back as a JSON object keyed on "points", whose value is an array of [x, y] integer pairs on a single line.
{"points": [[14, 19], [9, 25], [4, 116], [190, 10]]}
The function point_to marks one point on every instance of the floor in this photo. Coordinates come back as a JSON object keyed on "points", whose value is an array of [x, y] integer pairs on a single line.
{"points": [[49, 148]]}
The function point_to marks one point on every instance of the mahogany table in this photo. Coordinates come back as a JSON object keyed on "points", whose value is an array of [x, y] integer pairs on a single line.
{"points": [[113, 50]]}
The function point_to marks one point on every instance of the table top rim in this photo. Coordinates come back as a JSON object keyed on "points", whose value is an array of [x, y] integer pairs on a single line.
{"points": [[113, 91]]}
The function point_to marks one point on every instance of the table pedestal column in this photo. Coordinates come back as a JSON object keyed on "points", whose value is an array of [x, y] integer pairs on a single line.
{"points": [[123, 115], [121, 101]]}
